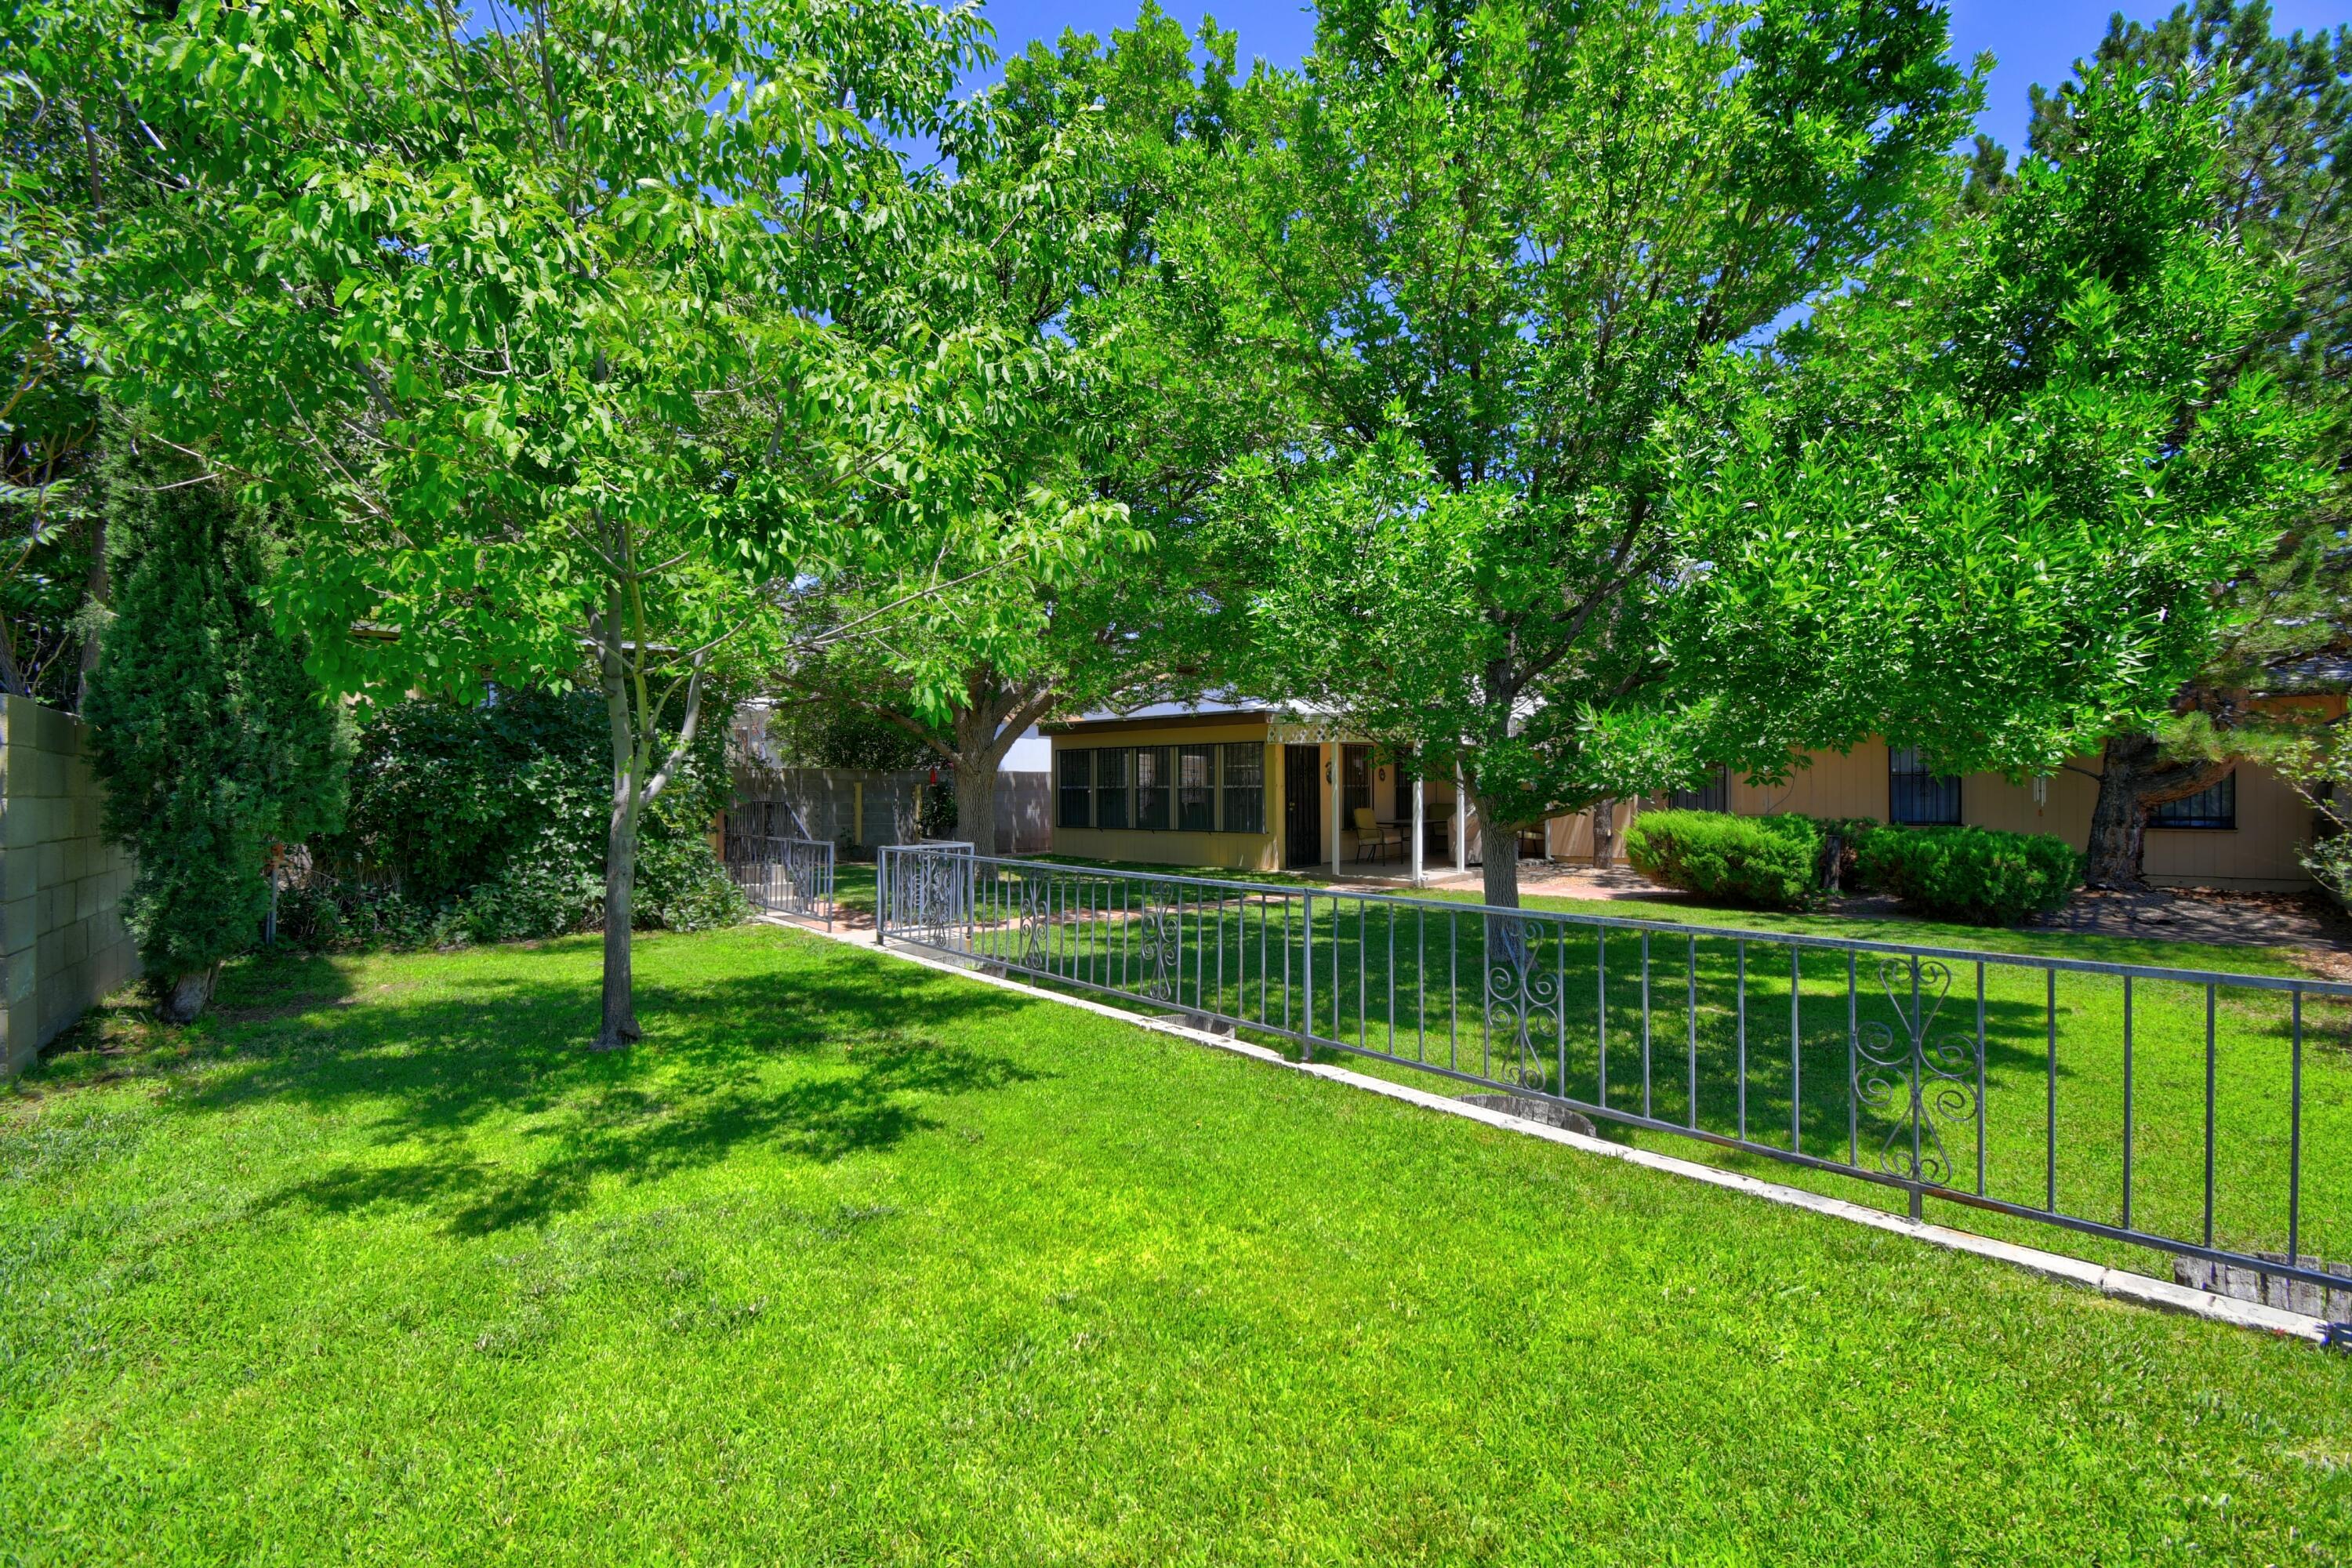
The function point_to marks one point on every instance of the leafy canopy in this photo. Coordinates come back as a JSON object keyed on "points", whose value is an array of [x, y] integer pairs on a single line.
{"points": [[1492, 250], [531, 316], [2023, 453]]}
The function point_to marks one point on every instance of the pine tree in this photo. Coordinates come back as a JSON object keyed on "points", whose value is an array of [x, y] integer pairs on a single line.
{"points": [[212, 744]]}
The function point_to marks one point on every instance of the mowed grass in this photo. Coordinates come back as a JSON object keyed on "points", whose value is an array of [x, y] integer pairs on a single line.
{"points": [[1699, 1031], [854, 1261]]}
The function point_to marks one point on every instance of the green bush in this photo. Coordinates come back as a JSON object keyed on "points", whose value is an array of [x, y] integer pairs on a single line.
{"points": [[1971, 873], [1764, 862], [2329, 860], [331, 912], [486, 824]]}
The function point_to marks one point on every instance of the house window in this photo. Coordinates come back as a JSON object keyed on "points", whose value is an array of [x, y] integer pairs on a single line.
{"points": [[2216, 805], [1244, 768], [1111, 766], [1917, 797], [1075, 793], [1715, 795], [1401, 804], [1356, 781], [1196, 789], [1152, 766]]}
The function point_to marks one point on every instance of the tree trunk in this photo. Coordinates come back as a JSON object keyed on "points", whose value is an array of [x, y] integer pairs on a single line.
{"points": [[618, 1025], [975, 797], [2118, 820], [2133, 776], [179, 998], [977, 751], [984, 730], [1498, 848]]}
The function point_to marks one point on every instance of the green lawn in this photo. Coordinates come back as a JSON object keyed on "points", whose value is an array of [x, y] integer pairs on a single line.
{"points": [[853, 888], [1409, 980], [859, 1262]]}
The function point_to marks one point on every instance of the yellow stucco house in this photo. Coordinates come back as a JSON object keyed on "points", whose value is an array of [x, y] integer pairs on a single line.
{"points": [[1265, 786]]}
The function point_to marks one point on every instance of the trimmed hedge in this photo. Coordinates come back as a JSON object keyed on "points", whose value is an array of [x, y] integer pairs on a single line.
{"points": [[1973, 874], [1763, 862]]}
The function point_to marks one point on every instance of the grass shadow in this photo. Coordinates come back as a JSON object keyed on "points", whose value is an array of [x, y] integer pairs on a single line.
{"points": [[479, 1103]]}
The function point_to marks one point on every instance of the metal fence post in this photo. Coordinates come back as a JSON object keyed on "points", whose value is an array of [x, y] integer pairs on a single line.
{"points": [[1305, 1049]]}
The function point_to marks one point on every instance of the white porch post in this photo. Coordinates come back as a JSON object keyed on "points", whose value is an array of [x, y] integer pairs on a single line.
{"points": [[1418, 880], [1461, 824], [1335, 766]]}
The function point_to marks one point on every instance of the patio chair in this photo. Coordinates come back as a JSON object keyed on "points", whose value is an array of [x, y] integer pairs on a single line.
{"points": [[1375, 839]]}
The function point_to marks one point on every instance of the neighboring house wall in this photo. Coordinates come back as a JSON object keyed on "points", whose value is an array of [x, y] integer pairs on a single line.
{"points": [[1570, 838], [62, 942], [2258, 854], [1024, 812]]}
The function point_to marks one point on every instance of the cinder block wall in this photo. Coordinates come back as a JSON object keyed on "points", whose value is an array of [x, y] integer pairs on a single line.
{"points": [[62, 942]]}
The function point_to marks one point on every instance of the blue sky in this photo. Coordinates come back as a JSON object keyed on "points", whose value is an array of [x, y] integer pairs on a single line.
{"points": [[2031, 40]]}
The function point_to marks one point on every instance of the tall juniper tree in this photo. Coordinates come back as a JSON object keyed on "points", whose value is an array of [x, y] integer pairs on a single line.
{"points": [[2022, 450], [212, 741]]}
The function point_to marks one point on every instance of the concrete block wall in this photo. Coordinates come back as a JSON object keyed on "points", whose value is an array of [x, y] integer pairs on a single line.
{"points": [[62, 940]]}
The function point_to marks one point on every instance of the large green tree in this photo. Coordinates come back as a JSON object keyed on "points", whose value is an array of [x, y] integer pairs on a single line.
{"points": [[1491, 249], [535, 318], [2283, 197], [213, 742], [2023, 453], [1042, 250]]}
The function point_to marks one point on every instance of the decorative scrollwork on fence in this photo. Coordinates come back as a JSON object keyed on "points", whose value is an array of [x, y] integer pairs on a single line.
{"points": [[1519, 993], [784, 875], [933, 898], [1034, 931], [1918, 1084], [1159, 951]]}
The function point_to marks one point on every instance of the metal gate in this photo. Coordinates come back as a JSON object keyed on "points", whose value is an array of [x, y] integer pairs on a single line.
{"points": [[784, 875]]}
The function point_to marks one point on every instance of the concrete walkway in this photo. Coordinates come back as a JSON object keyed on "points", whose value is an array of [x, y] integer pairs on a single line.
{"points": [[2307, 921], [1552, 879]]}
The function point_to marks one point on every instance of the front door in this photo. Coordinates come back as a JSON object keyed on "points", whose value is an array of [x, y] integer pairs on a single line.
{"points": [[1302, 806]]}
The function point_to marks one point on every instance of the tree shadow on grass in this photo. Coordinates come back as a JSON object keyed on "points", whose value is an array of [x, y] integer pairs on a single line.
{"points": [[481, 1105], [645, 1133]]}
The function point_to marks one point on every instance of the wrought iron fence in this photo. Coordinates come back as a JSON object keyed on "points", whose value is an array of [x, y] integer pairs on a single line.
{"points": [[784, 875], [925, 891], [2169, 1109]]}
